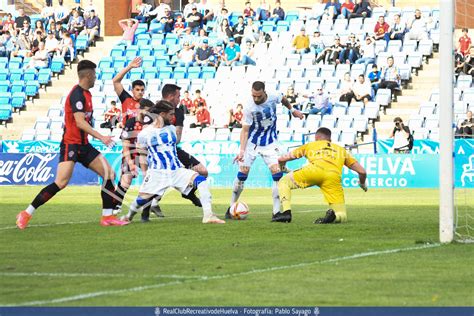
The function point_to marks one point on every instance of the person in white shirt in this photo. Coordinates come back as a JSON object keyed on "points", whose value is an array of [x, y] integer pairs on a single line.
{"points": [[47, 13], [186, 56], [401, 137], [51, 43], [61, 13], [188, 9], [362, 90], [418, 28], [158, 12], [90, 7], [368, 52], [206, 9], [346, 93], [250, 32], [40, 59]]}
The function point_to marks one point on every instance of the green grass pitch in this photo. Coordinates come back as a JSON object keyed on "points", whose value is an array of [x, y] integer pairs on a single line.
{"points": [[387, 254]]}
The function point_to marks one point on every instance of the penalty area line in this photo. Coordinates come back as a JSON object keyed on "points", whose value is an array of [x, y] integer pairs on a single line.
{"points": [[95, 275], [223, 276]]}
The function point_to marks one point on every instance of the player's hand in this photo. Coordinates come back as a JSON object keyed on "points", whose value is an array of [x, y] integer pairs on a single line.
{"points": [[298, 114], [239, 157], [363, 186], [108, 141], [133, 168], [137, 62]]}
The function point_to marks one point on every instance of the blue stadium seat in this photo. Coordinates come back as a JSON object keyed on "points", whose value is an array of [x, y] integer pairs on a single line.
{"points": [[120, 62], [82, 43], [117, 51], [150, 73], [106, 62], [4, 74], [159, 50], [32, 88], [44, 76], [107, 74], [165, 73], [148, 61], [268, 26], [16, 74], [5, 116], [142, 28], [57, 65], [15, 63], [194, 72], [3, 62], [131, 51], [30, 74], [282, 26], [171, 39], [4, 85], [292, 16], [180, 73], [161, 62], [18, 100], [17, 86], [145, 51], [208, 73], [5, 97], [136, 73], [142, 39]]}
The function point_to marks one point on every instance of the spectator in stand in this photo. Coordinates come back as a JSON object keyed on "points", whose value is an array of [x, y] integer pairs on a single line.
{"points": [[22, 47], [186, 56], [40, 58], [251, 31], [223, 15], [346, 93], [66, 45], [375, 77], [39, 26], [401, 137], [368, 52], [346, 9], [351, 52], [8, 24], [218, 55], [316, 43], [169, 21], [382, 30], [47, 14], [187, 36], [464, 43], [92, 26], [301, 42], [61, 13], [207, 11], [76, 23], [398, 28], [178, 27], [51, 44], [77, 8], [90, 7], [198, 40], [194, 19], [292, 98], [248, 11], [332, 9], [263, 11], [58, 30], [418, 27], [199, 100], [238, 30], [235, 117], [362, 90], [468, 64], [188, 8], [7, 44], [112, 116], [361, 9], [203, 53], [203, 117], [316, 12], [158, 25], [278, 13], [158, 12], [330, 55], [129, 26], [246, 54], [187, 103], [27, 30], [232, 53], [224, 32], [318, 102], [465, 127], [143, 11], [38, 37], [390, 76], [21, 18]]}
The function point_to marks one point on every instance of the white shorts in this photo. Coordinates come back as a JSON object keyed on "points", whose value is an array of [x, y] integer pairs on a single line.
{"points": [[157, 181], [269, 153]]}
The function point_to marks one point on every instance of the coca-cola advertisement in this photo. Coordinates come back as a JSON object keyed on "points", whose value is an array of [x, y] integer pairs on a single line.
{"points": [[35, 168]]}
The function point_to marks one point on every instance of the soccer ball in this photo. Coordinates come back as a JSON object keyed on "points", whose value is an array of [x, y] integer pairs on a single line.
{"points": [[239, 210]]}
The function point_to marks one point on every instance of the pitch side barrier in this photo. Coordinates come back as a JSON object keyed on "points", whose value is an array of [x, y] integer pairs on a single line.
{"points": [[385, 170]]}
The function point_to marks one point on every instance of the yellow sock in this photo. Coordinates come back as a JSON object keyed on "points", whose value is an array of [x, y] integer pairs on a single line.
{"points": [[285, 185], [340, 210]]}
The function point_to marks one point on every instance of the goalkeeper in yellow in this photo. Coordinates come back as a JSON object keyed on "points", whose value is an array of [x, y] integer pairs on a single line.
{"points": [[326, 161]]}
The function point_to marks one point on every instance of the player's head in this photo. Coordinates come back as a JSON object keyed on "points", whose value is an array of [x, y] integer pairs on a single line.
{"points": [[145, 107], [323, 133], [138, 89], [258, 92], [171, 93], [86, 73], [163, 109]]}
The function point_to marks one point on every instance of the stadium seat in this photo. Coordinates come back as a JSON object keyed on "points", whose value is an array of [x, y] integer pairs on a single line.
{"points": [[360, 123], [4, 85], [194, 72], [344, 122], [145, 51], [44, 76], [28, 134], [32, 88], [142, 39], [17, 86], [117, 51], [82, 43], [328, 121], [210, 72], [222, 134], [16, 74], [347, 138], [432, 123], [165, 73], [57, 65]]}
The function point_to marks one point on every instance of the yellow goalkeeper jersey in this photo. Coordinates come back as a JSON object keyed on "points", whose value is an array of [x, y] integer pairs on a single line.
{"points": [[325, 155]]}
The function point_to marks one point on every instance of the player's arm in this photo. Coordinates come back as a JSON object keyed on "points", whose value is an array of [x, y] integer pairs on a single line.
{"points": [[292, 155], [82, 124], [362, 174], [293, 111], [117, 81]]}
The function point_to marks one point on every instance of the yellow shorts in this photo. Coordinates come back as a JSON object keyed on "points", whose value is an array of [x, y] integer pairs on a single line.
{"points": [[328, 181]]}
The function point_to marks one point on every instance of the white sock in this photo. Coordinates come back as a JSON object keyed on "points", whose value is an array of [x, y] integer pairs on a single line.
{"points": [[205, 198], [107, 212], [276, 197], [237, 190], [30, 210], [155, 201], [133, 208]]}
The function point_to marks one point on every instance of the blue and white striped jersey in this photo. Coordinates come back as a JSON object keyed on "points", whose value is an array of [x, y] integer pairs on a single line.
{"points": [[161, 146], [262, 119]]}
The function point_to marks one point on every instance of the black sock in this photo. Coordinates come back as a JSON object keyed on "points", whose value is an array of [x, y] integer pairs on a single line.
{"points": [[45, 195], [146, 211], [191, 193], [109, 197], [120, 192]]}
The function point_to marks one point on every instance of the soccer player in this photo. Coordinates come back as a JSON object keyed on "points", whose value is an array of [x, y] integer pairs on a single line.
{"points": [[75, 147], [259, 137], [130, 109], [171, 93], [326, 161], [130, 158], [165, 170]]}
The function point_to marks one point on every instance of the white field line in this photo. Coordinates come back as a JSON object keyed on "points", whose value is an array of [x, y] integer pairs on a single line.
{"points": [[138, 220], [95, 275], [223, 276]]}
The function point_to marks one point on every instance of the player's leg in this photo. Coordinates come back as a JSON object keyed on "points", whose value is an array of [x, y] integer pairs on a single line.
{"points": [[143, 201], [270, 156], [184, 180], [334, 195], [122, 188], [96, 162], [63, 175], [285, 185], [190, 162]]}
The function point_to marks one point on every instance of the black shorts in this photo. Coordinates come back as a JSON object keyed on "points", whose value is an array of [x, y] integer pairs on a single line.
{"points": [[187, 159], [84, 154]]}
